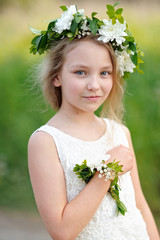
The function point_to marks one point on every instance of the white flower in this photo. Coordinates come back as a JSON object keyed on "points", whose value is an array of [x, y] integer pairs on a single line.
{"points": [[110, 32], [84, 26], [99, 167], [100, 176], [124, 62], [64, 23]]}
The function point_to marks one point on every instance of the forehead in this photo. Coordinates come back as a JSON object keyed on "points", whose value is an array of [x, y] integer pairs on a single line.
{"points": [[87, 50]]}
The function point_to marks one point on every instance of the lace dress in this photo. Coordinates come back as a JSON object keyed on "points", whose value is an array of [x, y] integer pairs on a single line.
{"points": [[104, 225]]}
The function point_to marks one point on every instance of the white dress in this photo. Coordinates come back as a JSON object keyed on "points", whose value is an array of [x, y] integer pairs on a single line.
{"points": [[105, 224]]}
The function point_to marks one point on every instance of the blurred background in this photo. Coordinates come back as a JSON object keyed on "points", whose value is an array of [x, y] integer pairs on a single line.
{"points": [[22, 109]]}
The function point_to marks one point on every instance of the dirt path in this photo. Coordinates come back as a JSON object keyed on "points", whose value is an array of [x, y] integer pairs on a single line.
{"points": [[21, 226]]}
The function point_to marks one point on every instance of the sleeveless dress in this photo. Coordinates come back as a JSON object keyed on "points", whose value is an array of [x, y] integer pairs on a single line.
{"points": [[105, 224]]}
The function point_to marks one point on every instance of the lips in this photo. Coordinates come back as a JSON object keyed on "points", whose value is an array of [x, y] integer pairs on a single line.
{"points": [[92, 98]]}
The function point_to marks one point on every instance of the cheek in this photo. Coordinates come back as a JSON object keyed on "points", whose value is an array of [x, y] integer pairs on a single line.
{"points": [[75, 86], [108, 86]]}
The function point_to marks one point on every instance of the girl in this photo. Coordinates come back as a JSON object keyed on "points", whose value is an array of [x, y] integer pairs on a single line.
{"points": [[85, 65]]}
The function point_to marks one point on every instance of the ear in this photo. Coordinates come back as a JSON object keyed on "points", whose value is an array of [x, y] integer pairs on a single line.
{"points": [[56, 82]]}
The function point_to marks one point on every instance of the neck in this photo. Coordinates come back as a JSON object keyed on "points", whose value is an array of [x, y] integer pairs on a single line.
{"points": [[77, 117]]}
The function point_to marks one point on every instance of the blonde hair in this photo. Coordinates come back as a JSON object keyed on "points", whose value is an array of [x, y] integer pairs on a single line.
{"points": [[53, 63]]}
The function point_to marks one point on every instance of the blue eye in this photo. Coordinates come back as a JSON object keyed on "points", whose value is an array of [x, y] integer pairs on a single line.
{"points": [[81, 73], [105, 73]]}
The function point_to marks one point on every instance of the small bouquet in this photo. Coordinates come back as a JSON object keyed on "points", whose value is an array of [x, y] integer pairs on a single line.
{"points": [[109, 171]]}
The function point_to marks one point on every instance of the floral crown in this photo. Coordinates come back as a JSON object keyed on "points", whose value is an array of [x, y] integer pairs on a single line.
{"points": [[73, 24]]}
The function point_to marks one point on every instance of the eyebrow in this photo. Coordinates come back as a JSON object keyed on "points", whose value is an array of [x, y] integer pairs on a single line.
{"points": [[85, 66]]}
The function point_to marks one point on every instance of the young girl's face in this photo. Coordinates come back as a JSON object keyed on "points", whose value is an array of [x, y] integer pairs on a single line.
{"points": [[86, 77]]}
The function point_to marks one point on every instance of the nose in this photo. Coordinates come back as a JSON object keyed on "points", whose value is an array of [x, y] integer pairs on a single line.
{"points": [[93, 83]]}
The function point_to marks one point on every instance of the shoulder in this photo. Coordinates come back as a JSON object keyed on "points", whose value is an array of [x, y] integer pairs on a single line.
{"points": [[116, 125], [40, 138], [119, 128], [41, 144], [127, 131]]}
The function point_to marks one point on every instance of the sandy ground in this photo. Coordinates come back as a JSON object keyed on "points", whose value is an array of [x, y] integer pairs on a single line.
{"points": [[21, 226]]}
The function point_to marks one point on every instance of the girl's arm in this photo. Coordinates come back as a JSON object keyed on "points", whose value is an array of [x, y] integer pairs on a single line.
{"points": [[140, 199], [63, 219]]}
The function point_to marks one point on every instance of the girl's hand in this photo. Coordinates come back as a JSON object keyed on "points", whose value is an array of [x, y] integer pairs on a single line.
{"points": [[122, 155]]}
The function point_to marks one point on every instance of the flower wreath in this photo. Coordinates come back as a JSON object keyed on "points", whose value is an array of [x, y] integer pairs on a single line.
{"points": [[73, 24]]}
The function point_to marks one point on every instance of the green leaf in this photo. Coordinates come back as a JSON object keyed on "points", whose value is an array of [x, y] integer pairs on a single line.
{"points": [[110, 7], [43, 42], [113, 20], [69, 35], [126, 75], [78, 18], [33, 49], [116, 4], [111, 14], [129, 39], [134, 58], [93, 26], [122, 206], [35, 31], [51, 25], [140, 60], [121, 211], [121, 20], [132, 46], [93, 14], [74, 26], [140, 71], [128, 33], [36, 41], [64, 8], [141, 53], [119, 11]]}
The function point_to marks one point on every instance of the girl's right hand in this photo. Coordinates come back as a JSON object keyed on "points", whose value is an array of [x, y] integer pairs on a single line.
{"points": [[122, 155]]}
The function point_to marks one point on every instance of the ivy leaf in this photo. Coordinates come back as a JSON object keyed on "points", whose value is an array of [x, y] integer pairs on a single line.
{"points": [[64, 8]]}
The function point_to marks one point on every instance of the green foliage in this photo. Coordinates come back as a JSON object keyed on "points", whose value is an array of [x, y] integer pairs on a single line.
{"points": [[115, 14], [84, 172]]}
